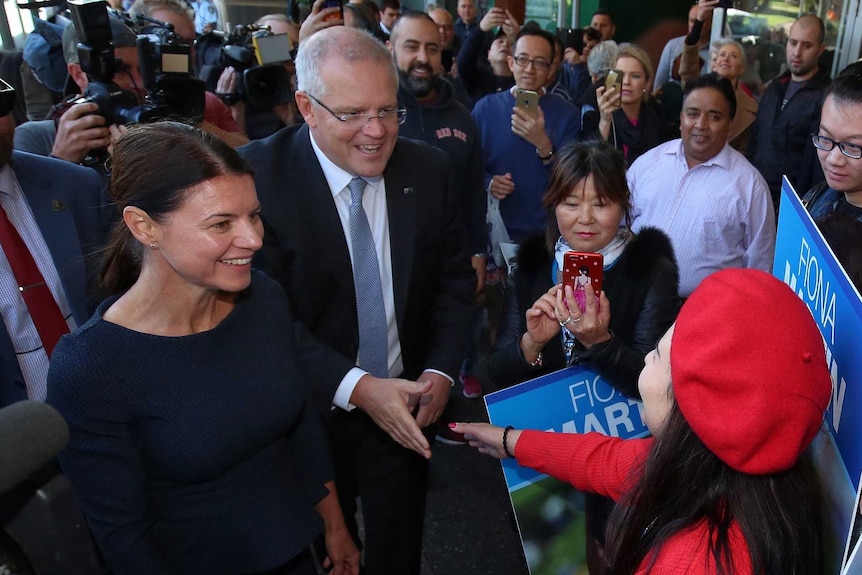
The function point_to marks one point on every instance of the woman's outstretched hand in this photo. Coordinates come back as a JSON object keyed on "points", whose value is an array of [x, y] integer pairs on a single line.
{"points": [[487, 438]]}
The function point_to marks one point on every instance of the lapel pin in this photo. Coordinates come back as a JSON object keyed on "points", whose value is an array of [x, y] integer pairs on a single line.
{"points": [[408, 191], [57, 205]]}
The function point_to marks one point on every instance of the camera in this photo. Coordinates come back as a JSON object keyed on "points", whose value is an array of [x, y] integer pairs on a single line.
{"points": [[257, 55], [164, 61]]}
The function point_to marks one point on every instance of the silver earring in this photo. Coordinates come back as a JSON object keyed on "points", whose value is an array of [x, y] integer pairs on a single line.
{"points": [[153, 245]]}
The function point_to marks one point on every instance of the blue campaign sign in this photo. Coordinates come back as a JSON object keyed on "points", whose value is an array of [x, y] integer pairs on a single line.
{"points": [[571, 400], [805, 262]]}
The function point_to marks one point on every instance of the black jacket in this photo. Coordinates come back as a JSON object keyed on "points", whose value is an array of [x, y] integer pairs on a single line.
{"points": [[475, 72], [781, 139], [642, 290], [448, 126], [649, 133]]}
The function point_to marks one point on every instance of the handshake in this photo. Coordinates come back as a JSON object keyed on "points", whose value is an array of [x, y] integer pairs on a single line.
{"points": [[402, 408]]}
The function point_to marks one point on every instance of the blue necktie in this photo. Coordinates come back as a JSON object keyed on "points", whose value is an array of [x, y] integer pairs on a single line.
{"points": [[373, 340]]}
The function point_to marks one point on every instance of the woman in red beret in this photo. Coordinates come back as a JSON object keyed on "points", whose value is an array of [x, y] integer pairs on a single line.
{"points": [[726, 485]]}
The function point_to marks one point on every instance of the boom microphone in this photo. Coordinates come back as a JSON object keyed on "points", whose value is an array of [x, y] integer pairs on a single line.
{"points": [[31, 434]]}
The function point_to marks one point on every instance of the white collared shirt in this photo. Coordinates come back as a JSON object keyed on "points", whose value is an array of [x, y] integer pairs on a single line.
{"points": [[717, 214], [25, 339], [374, 203]]}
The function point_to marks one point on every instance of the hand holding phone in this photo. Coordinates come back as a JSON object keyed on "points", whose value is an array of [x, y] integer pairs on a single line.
{"points": [[527, 100], [614, 79], [333, 4], [583, 271]]}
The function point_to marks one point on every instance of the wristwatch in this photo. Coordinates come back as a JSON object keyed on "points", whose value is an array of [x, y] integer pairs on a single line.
{"points": [[545, 158]]}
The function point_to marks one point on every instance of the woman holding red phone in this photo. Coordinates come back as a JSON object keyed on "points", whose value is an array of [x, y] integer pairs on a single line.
{"points": [[728, 483], [542, 330]]}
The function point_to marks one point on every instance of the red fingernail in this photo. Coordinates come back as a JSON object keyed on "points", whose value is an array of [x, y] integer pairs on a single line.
{"points": [[452, 425]]}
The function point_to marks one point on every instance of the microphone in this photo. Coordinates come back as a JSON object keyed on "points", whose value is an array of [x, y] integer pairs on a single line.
{"points": [[32, 433]]}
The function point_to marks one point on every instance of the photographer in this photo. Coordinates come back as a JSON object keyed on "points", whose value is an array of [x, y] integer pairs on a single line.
{"points": [[74, 132], [257, 121], [218, 119]]}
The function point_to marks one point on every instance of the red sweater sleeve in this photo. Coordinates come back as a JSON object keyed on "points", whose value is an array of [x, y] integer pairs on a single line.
{"points": [[591, 462], [609, 466]]}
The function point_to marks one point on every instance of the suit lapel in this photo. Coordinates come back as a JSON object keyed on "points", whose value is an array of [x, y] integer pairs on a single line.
{"points": [[401, 198], [320, 212], [47, 200]]}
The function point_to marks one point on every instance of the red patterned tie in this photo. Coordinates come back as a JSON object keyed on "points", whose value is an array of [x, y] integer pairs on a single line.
{"points": [[44, 311]]}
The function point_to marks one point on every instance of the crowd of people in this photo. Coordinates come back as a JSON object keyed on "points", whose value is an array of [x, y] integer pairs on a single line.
{"points": [[253, 324]]}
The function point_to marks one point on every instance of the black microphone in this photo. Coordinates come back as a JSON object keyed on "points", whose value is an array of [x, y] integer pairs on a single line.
{"points": [[31, 434]]}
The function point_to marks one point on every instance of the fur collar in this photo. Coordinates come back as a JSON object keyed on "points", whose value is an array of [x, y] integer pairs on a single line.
{"points": [[640, 254]]}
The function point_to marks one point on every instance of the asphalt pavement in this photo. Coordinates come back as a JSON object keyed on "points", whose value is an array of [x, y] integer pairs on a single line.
{"points": [[469, 525]]}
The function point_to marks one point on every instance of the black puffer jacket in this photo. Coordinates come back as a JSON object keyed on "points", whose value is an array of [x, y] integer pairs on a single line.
{"points": [[642, 290]]}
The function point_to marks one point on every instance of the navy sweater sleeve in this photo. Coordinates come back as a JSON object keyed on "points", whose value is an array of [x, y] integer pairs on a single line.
{"points": [[103, 461]]}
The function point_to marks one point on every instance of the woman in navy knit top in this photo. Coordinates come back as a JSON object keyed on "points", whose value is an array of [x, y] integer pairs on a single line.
{"points": [[194, 448]]}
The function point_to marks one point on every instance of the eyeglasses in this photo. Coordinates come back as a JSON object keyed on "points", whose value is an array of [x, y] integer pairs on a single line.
{"points": [[853, 151], [524, 61], [357, 121]]}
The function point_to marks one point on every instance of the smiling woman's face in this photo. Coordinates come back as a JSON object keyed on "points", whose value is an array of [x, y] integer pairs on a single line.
{"points": [[727, 62], [587, 222]]}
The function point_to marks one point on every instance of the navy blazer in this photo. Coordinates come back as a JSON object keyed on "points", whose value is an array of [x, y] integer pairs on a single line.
{"points": [[305, 250], [70, 207]]}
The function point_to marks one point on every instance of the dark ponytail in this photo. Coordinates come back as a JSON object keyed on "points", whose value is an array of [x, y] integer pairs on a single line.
{"points": [[153, 166], [683, 483]]}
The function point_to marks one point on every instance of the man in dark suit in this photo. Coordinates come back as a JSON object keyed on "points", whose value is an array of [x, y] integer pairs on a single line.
{"points": [[57, 209], [327, 189]]}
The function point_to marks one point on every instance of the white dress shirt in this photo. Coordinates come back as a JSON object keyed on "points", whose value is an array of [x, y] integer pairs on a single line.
{"points": [[717, 214], [374, 203]]}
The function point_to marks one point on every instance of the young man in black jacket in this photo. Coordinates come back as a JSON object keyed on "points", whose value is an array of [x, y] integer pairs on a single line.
{"points": [[789, 112]]}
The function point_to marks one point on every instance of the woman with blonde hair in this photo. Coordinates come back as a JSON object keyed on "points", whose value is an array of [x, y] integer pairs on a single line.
{"points": [[628, 119], [727, 60]]}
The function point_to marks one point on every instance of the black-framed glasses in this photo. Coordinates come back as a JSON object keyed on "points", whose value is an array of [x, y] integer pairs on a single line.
{"points": [[853, 151], [357, 121], [524, 61]]}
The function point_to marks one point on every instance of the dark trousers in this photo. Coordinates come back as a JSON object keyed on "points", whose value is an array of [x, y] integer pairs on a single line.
{"points": [[390, 482], [302, 564]]}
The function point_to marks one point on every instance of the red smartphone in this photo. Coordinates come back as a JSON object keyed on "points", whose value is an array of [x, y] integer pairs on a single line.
{"points": [[582, 271]]}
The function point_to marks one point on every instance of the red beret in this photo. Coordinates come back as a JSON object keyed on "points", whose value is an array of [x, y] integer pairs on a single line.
{"points": [[749, 370]]}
